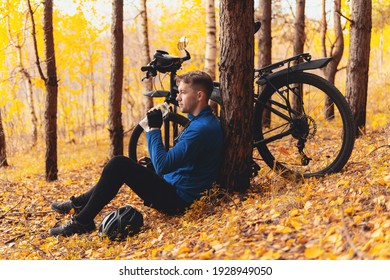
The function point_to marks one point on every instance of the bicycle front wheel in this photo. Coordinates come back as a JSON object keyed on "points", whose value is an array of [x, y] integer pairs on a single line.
{"points": [[138, 145], [309, 135]]}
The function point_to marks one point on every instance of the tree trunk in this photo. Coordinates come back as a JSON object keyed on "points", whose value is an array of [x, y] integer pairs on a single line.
{"points": [[93, 97], [30, 101], [51, 93], [116, 80], [336, 52], [236, 76], [145, 53], [210, 65], [299, 38], [265, 45], [324, 28], [358, 62], [299, 42], [3, 154]]}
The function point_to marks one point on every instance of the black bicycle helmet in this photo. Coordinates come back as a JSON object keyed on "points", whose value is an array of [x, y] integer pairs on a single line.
{"points": [[119, 224]]}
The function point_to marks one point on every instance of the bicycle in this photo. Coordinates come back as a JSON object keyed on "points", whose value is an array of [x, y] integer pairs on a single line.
{"points": [[295, 139]]}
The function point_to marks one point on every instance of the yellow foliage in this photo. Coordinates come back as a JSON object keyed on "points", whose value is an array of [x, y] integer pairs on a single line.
{"points": [[294, 220], [314, 252]]}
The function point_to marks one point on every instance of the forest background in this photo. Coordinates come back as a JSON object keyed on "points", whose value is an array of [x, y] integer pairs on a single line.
{"points": [[82, 41]]}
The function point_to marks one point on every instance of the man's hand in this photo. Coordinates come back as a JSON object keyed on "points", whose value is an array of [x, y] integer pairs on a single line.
{"points": [[155, 119]]}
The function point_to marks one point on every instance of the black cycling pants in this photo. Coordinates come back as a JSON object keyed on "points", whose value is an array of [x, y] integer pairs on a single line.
{"points": [[154, 190]]}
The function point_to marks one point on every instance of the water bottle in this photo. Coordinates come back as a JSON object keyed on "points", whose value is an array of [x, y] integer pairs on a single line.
{"points": [[164, 109]]}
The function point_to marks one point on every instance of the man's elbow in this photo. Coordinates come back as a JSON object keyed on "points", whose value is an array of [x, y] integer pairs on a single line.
{"points": [[159, 170]]}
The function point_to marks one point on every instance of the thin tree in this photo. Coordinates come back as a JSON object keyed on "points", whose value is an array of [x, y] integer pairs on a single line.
{"points": [[210, 65], [116, 80], [3, 153], [265, 45], [324, 28], [236, 76], [380, 15], [336, 51], [299, 42], [93, 94], [358, 61], [18, 44], [51, 86], [145, 52]]}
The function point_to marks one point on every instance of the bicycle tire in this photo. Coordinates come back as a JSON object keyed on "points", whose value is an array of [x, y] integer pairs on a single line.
{"points": [[138, 132], [332, 139]]}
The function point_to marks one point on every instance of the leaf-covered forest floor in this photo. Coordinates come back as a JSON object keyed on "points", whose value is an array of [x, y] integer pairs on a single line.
{"points": [[341, 216]]}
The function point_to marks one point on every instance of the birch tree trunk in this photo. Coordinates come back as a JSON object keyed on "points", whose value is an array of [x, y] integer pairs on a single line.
{"points": [[299, 42], [336, 52], [211, 45], [236, 76], [116, 80], [265, 45], [145, 53], [358, 61]]}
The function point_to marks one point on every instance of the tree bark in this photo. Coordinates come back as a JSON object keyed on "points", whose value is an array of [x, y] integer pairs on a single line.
{"points": [[116, 80], [299, 38], [51, 93], [336, 52], [3, 146], [210, 65], [265, 45], [145, 53], [324, 28], [358, 62], [236, 76], [30, 101], [299, 43]]}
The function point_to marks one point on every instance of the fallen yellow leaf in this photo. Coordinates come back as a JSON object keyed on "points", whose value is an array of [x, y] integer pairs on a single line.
{"points": [[313, 252]]}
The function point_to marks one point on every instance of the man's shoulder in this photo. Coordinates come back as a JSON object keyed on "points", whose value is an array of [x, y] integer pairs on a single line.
{"points": [[209, 121]]}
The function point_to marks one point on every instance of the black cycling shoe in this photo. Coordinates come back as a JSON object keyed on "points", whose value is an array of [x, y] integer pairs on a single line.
{"points": [[66, 206], [72, 227]]}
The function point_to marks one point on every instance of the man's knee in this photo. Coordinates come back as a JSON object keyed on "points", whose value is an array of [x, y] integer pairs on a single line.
{"points": [[117, 162]]}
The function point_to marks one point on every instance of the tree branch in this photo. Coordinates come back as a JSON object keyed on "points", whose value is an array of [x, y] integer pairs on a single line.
{"points": [[350, 20]]}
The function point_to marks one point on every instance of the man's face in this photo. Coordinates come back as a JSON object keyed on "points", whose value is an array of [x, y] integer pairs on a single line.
{"points": [[188, 99]]}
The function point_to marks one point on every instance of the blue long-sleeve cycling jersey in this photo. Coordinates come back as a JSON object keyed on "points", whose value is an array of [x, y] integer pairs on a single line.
{"points": [[192, 165]]}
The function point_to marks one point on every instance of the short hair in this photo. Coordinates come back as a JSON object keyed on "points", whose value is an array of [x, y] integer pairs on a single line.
{"points": [[198, 80]]}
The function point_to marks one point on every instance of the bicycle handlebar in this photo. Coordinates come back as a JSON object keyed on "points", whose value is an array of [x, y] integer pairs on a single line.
{"points": [[163, 62]]}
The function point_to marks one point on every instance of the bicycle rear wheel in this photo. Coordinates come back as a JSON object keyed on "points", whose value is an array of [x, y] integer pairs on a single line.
{"points": [[138, 146], [302, 141]]}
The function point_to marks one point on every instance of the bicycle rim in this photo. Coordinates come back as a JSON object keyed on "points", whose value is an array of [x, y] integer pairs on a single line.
{"points": [[328, 140], [138, 145]]}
